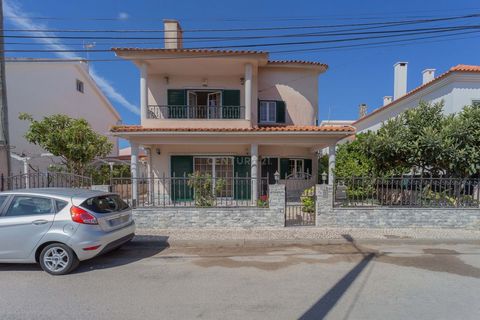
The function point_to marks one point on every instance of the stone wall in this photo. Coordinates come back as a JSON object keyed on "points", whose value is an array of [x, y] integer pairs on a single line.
{"points": [[274, 216], [384, 217]]}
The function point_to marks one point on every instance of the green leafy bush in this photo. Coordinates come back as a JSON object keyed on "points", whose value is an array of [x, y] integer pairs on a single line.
{"points": [[204, 190], [308, 200]]}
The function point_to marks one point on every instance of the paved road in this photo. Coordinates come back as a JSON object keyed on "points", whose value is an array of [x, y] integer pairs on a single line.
{"points": [[142, 281]]}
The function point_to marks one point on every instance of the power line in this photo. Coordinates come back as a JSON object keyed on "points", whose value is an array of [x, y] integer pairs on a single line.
{"points": [[406, 33], [385, 23], [319, 34], [358, 15], [329, 48]]}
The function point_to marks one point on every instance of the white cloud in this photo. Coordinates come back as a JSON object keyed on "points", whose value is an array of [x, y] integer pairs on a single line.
{"points": [[123, 16], [14, 14]]}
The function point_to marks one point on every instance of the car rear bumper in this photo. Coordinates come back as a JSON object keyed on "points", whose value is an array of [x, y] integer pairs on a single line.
{"points": [[106, 241]]}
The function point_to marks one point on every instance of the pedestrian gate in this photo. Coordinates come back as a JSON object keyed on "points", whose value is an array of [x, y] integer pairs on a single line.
{"points": [[300, 200]]}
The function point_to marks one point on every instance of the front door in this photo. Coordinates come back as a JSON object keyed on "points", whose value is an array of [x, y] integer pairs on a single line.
{"points": [[25, 221]]}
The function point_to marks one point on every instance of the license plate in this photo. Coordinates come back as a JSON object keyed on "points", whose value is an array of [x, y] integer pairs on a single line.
{"points": [[119, 220]]}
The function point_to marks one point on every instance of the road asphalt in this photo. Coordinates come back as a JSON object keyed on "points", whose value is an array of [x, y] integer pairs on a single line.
{"points": [[144, 280]]}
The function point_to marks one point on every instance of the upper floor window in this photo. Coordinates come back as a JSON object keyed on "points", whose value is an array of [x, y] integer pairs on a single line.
{"points": [[268, 111], [80, 86], [271, 111]]}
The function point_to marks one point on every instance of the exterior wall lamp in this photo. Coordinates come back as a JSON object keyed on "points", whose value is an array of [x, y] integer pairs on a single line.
{"points": [[276, 175]]}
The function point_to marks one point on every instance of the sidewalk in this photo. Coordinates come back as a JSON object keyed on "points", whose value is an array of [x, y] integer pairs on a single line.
{"points": [[301, 236]]}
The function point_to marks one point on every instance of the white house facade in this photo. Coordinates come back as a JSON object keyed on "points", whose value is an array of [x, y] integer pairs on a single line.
{"points": [[457, 88], [52, 87]]}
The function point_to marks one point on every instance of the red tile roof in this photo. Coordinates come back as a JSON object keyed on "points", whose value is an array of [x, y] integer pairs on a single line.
{"points": [[457, 68], [186, 50], [314, 63], [136, 128]]}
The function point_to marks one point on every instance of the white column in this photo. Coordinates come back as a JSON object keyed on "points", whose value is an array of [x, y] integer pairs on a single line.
{"points": [[143, 91], [331, 163], [248, 90], [134, 171], [254, 170], [25, 171]]}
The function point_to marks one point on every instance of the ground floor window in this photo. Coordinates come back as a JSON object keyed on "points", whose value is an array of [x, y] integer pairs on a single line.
{"points": [[218, 168], [295, 167]]}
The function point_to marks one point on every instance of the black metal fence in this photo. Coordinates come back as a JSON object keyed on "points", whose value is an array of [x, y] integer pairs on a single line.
{"points": [[195, 112], [44, 180], [192, 192], [407, 191]]}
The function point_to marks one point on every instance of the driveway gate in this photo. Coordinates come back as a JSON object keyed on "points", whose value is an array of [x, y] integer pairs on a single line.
{"points": [[300, 200]]}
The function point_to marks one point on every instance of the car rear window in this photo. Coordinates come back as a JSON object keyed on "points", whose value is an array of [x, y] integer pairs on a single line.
{"points": [[2, 200], [105, 204]]}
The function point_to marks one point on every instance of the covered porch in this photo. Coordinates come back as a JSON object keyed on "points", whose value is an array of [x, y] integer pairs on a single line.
{"points": [[241, 163]]}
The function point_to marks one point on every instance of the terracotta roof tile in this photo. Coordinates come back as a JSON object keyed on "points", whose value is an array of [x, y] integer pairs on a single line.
{"points": [[457, 68], [186, 50], [315, 63], [136, 128]]}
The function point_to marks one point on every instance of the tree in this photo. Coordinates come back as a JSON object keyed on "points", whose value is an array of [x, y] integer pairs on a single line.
{"points": [[352, 159], [421, 140], [73, 140]]}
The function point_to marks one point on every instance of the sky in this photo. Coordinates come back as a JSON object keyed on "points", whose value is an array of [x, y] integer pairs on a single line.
{"points": [[355, 75]]}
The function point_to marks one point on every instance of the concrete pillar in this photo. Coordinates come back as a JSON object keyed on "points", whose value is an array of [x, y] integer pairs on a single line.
{"points": [[331, 163], [25, 171], [150, 176], [254, 170], [134, 171], [248, 90], [143, 91]]}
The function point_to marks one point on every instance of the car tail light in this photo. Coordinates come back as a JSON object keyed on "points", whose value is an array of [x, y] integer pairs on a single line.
{"points": [[80, 215]]}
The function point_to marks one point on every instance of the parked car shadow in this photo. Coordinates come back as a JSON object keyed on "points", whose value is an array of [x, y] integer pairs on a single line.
{"points": [[141, 247]]}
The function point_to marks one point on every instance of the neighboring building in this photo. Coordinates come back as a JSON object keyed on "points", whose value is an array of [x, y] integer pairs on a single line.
{"points": [[227, 113], [458, 87], [51, 87]]}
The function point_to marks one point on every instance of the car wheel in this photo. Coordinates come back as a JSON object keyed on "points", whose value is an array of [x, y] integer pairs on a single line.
{"points": [[58, 259]]}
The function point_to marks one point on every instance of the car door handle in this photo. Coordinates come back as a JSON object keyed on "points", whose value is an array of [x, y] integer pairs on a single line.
{"points": [[38, 222]]}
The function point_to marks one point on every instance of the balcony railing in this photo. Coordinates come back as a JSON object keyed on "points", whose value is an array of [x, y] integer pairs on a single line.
{"points": [[195, 112]]}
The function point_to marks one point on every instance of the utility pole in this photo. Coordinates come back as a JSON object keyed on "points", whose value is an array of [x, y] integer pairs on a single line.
{"points": [[4, 138]]}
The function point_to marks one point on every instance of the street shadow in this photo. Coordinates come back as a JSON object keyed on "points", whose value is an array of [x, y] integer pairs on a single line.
{"points": [[326, 303], [141, 247]]}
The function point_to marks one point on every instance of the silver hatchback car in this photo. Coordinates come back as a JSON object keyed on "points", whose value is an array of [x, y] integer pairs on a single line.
{"points": [[58, 227]]}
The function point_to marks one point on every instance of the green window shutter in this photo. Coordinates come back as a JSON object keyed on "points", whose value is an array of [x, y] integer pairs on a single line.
{"points": [[176, 100], [242, 189], [308, 166], [180, 167], [281, 111], [231, 104], [283, 168]]}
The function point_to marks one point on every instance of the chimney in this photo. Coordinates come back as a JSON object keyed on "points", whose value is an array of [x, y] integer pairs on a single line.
{"points": [[387, 100], [400, 80], [362, 110], [173, 34], [428, 75]]}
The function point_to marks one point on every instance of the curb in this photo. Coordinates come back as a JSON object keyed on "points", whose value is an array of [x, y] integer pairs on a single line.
{"points": [[149, 241]]}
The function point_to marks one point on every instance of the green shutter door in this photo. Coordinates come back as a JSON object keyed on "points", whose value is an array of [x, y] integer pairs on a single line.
{"points": [[181, 167], [231, 104], [176, 100], [241, 187], [281, 111], [283, 168], [308, 166]]}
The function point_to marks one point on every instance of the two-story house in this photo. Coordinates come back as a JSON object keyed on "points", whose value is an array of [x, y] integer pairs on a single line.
{"points": [[226, 113]]}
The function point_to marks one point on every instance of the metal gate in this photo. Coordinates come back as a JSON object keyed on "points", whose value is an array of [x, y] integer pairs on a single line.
{"points": [[300, 200]]}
